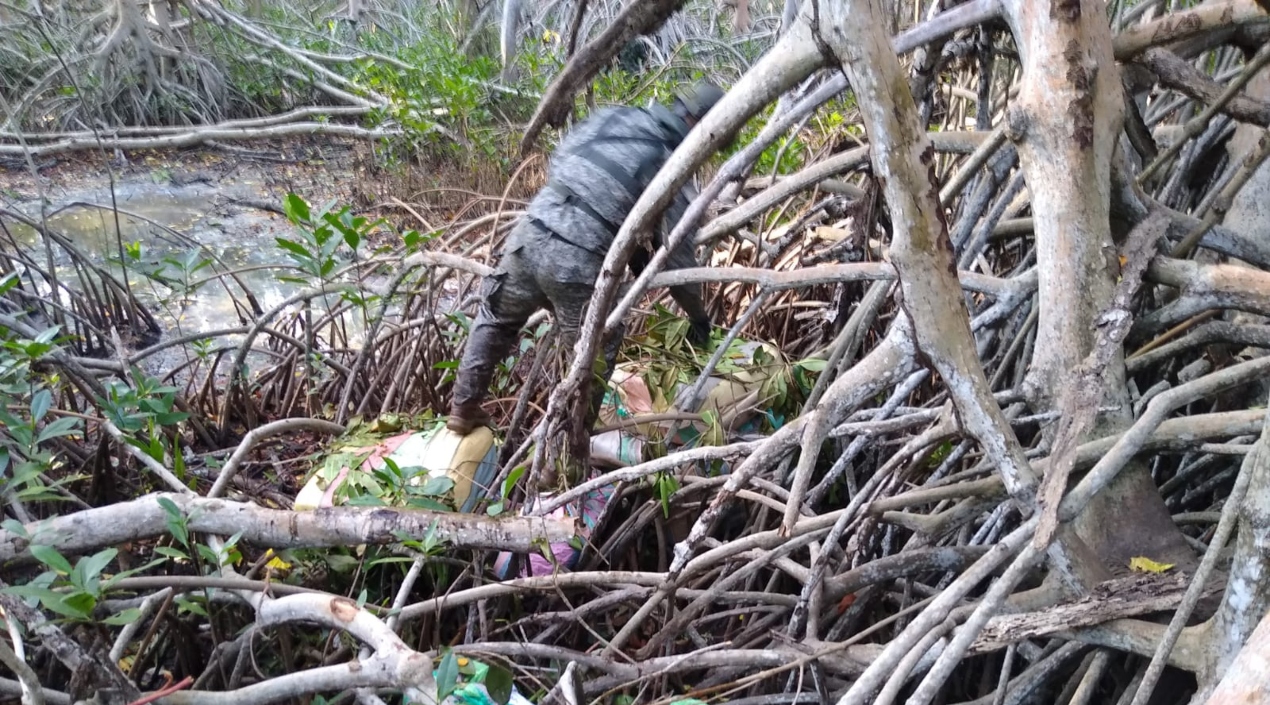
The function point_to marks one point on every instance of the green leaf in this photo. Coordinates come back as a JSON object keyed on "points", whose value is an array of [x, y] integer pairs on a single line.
{"points": [[38, 592], [427, 503], [127, 616], [498, 681], [40, 405], [38, 493], [937, 456], [209, 555], [51, 558], [512, 478], [174, 553], [77, 604], [388, 560], [437, 486], [14, 526], [191, 606], [365, 500], [92, 566], [65, 426], [175, 521], [114, 579], [296, 208], [27, 472], [813, 364], [170, 507], [667, 485], [47, 334], [170, 418], [353, 238], [341, 563], [447, 675], [295, 248]]}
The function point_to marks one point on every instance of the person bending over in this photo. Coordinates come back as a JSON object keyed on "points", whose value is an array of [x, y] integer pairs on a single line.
{"points": [[554, 253]]}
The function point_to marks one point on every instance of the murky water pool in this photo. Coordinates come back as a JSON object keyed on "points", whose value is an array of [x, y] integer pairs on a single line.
{"points": [[178, 232], [176, 228]]}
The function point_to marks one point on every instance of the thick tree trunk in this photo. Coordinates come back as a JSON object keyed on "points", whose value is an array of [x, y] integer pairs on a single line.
{"points": [[1066, 122]]}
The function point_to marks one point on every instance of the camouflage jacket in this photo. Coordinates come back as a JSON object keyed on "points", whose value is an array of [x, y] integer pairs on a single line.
{"points": [[601, 168]]}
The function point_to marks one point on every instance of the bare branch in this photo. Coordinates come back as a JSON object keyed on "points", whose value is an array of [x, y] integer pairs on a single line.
{"points": [[1185, 24], [274, 528]]}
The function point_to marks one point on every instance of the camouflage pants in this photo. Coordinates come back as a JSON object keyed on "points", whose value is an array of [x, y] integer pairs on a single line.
{"points": [[536, 271]]}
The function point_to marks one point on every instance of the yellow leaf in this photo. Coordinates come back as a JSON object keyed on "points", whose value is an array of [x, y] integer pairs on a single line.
{"points": [[1143, 564], [276, 563]]}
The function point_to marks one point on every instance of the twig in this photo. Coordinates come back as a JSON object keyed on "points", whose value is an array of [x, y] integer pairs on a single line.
{"points": [[32, 691], [255, 436], [162, 693], [151, 464]]}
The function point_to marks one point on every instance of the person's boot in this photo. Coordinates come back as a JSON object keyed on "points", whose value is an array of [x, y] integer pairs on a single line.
{"points": [[466, 417]]}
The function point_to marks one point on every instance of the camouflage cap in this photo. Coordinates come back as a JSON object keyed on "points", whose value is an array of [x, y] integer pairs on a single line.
{"points": [[697, 99]]}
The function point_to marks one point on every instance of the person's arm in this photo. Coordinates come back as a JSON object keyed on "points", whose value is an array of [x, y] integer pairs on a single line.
{"points": [[688, 296]]}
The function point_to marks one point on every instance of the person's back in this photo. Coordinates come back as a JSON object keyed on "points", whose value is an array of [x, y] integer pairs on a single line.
{"points": [[601, 168]]}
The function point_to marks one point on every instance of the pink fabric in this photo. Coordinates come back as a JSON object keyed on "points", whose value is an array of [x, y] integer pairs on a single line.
{"points": [[564, 554], [593, 504]]}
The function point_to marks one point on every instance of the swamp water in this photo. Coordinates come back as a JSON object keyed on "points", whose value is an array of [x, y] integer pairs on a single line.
{"points": [[188, 233]]}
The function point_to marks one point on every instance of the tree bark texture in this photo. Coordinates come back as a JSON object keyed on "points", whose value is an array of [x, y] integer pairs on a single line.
{"points": [[1066, 124]]}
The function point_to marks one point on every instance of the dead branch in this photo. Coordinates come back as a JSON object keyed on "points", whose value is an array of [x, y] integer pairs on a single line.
{"points": [[145, 517], [1177, 26], [1118, 598], [1179, 75], [195, 137]]}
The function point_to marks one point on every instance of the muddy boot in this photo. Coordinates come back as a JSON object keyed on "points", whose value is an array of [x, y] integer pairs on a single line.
{"points": [[465, 418]]}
